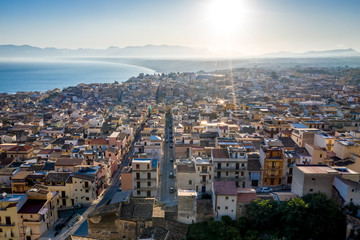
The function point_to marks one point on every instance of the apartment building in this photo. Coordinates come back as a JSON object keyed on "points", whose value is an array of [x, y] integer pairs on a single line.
{"points": [[272, 162], [145, 173], [9, 222], [230, 164]]}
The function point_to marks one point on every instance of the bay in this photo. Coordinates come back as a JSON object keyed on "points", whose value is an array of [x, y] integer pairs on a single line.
{"points": [[42, 75]]}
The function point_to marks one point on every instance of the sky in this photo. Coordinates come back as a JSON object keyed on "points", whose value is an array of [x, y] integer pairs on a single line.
{"points": [[242, 27]]}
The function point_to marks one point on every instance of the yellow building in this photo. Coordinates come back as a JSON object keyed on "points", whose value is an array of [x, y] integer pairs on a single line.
{"points": [[272, 159], [9, 222]]}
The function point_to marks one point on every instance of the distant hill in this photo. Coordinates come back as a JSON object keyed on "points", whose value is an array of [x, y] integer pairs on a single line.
{"points": [[315, 54], [26, 51]]}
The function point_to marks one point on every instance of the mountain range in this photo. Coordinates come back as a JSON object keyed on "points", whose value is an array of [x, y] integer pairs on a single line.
{"points": [[152, 51]]}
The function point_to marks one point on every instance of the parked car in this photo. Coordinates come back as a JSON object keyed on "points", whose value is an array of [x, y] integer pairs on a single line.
{"points": [[266, 189], [119, 189], [286, 187], [77, 206], [59, 226], [171, 175], [171, 190], [171, 160]]}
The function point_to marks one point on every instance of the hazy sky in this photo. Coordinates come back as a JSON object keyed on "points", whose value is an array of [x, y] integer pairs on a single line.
{"points": [[245, 26]]}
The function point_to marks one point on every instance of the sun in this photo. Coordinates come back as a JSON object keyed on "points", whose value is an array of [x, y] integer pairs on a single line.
{"points": [[226, 16]]}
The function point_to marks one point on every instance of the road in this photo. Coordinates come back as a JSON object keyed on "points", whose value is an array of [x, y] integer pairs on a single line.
{"points": [[166, 167]]}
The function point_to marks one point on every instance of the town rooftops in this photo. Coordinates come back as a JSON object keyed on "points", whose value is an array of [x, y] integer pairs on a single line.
{"points": [[20, 148], [246, 195], [298, 125], [323, 169], [220, 153], [121, 197], [224, 188], [57, 177], [32, 206], [187, 193], [68, 162]]}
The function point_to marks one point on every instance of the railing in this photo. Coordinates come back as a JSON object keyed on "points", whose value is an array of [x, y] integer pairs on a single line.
{"points": [[7, 224], [145, 179]]}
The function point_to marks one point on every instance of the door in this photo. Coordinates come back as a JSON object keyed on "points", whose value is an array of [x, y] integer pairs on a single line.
{"points": [[203, 189]]}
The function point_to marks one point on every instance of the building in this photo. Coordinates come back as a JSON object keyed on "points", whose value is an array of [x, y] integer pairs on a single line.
{"points": [[324, 140], [187, 206], [272, 162], [244, 197], [224, 199], [230, 164], [318, 178], [145, 174], [9, 222], [346, 149], [348, 190], [39, 213]]}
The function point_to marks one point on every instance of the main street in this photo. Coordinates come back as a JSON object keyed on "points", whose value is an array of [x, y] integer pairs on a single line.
{"points": [[167, 166]]}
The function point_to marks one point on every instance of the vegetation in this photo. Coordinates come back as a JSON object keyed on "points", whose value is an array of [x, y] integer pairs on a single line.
{"points": [[313, 216]]}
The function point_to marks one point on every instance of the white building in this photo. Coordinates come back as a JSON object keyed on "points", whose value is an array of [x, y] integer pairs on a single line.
{"points": [[145, 177], [224, 199]]}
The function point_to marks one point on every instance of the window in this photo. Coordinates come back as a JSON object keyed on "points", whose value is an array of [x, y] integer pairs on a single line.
{"points": [[149, 184], [190, 182], [148, 166], [87, 198], [137, 166], [352, 190], [218, 207], [28, 238], [313, 179], [321, 155], [86, 190], [226, 198], [311, 190], [0, 229], [226, 208], [8, 220], [138, 192]]}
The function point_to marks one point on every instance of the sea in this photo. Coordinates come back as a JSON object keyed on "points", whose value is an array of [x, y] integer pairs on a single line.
{"points": [[41, 76]]}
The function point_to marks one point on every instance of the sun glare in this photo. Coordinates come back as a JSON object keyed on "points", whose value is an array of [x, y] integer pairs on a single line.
{"points": [[226, 16]]}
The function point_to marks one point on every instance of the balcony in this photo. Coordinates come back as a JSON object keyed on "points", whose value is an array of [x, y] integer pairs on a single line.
{"points": [[272, 176], [240, 168], [86, 187], [226, 169], [204, 181], [274, 168], [204, 172], [7, 224], [64, 196], [145, 179], [145, 188]]}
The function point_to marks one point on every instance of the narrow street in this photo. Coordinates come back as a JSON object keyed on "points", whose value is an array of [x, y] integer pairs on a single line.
{"points": [[81, 228]]}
